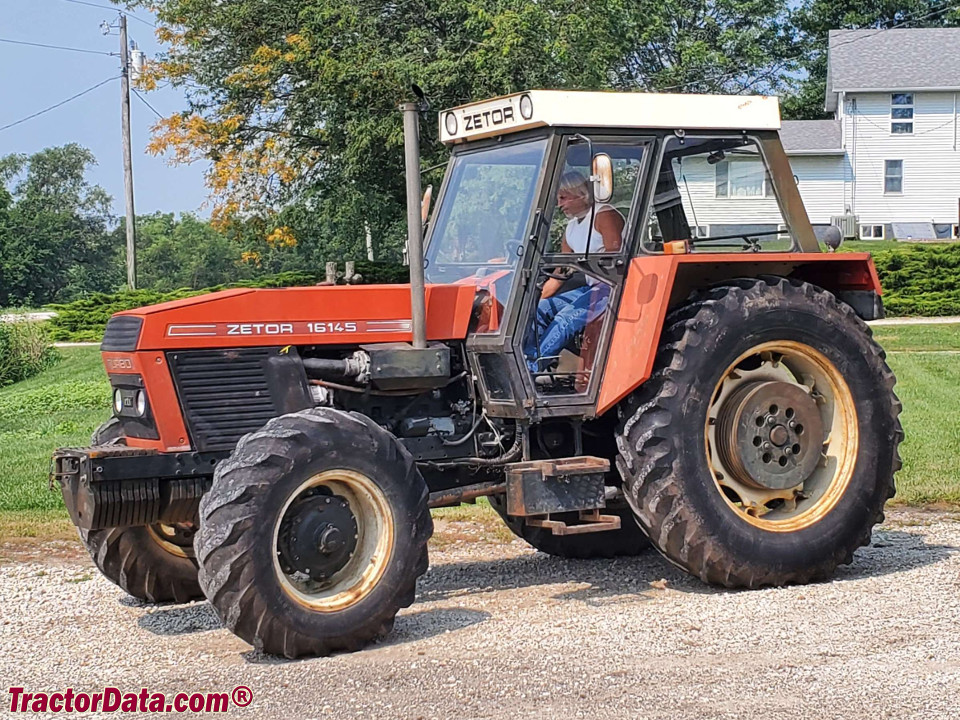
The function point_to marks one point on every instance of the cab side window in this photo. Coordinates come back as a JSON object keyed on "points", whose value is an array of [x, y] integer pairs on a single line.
{"points": [[716, 193]]}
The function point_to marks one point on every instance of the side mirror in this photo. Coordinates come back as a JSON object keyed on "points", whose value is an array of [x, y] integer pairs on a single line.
{"points": [[425, 202], [602, 177]]}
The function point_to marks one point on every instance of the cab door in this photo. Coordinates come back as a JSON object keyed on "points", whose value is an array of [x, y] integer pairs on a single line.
{"points": [[574, 281]]}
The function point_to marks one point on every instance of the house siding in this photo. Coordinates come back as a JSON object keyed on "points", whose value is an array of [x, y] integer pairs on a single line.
{"points": [[820, 180], [931, 160]]}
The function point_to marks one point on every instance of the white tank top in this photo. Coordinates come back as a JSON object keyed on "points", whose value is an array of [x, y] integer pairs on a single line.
{"points": [[577, 231]]}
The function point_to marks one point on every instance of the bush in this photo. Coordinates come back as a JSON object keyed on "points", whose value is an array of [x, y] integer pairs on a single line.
{"points": [[919, 279], [84, 320], [25, 350]]}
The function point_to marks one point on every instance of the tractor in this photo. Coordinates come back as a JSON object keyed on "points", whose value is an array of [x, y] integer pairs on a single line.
{"points": [[620, 329]]}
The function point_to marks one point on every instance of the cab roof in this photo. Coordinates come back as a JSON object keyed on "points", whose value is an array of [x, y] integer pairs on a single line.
{"points": [[538, 108]]}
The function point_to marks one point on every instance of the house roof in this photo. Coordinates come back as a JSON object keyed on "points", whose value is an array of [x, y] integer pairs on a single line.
{"points": [[892, 60], [811, 137]]}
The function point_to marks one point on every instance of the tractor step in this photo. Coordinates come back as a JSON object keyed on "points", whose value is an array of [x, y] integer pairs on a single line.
{"points": [[590, 521], [546, 487]]}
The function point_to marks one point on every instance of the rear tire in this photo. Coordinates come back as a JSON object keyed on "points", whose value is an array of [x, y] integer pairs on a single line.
{"points": [[153, 564], [269, 496], [628, 541], [688, 504]]}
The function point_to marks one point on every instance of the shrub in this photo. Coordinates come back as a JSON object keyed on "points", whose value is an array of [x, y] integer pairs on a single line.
{"points": [[25, 350]]}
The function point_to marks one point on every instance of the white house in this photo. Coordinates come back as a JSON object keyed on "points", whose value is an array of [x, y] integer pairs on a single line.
{"points": [[889, 156]]}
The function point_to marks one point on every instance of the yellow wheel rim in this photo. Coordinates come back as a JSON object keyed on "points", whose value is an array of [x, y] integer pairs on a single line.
{"points": [[799, 506], [174, 539], [374, 544]]}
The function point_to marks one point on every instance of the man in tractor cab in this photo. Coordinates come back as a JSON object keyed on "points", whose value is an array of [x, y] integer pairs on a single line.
{"points": [[562, 314]]}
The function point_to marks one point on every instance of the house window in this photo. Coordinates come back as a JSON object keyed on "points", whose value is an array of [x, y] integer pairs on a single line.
{"points": [[893, 176], [871, 232], [901, 113], [740, 179], [955, 232]]}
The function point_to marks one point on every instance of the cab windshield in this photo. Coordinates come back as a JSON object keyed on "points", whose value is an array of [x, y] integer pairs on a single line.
{"points": [[480, 224]]}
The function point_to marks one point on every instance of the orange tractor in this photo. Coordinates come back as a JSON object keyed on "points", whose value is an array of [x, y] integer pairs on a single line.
{"points": [[620, 329]]}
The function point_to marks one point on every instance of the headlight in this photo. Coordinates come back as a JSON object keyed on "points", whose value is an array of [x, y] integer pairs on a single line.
{"points": [[450, 122], [526, 107], [117, 401], [141, 403]]}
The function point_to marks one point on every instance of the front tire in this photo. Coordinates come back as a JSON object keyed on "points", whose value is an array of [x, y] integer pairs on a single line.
{"points": [[154, 564], [709, 451], [313, 534]]}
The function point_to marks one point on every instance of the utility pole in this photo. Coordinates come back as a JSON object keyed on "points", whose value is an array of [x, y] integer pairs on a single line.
{"points": [[127, 158]]}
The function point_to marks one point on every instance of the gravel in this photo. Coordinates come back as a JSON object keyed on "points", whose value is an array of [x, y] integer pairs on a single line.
{"points": [[500, 631]]}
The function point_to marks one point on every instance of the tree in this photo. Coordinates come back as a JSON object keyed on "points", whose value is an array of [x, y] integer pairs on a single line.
{"points": [[295, 101], [185, 253], [53, 240], [816, 18]]}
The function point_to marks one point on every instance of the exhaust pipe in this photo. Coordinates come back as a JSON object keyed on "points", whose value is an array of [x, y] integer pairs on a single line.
{"points": [[411, 151]]}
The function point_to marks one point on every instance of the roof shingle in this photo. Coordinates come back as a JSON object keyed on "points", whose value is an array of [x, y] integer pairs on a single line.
{"points": [[892, 60], [810, 136]]}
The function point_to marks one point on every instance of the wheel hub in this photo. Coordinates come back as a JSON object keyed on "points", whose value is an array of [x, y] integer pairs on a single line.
{"points": [[770, 434], [319, 536]]}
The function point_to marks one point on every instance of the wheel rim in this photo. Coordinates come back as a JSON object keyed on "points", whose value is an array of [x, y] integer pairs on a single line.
{"points": [[771, 475], [323, 511], [176, 539]]}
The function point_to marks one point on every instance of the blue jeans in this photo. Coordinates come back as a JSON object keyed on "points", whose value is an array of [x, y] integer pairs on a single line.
{"points": [[559, 318]]}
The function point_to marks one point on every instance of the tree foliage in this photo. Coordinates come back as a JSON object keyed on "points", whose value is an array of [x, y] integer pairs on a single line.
{"points": [[53, 222], [816, 18], [295, 101]]}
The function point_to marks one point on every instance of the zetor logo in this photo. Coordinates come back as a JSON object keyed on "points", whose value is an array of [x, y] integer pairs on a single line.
{"points": [[488, 118], [259, 328]]}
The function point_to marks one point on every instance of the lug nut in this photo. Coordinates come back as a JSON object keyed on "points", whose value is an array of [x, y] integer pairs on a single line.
{"points": [[767, 446], [792, 424]]}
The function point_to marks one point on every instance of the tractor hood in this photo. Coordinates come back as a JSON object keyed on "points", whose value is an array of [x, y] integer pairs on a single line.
{"points": [[323, 315]]}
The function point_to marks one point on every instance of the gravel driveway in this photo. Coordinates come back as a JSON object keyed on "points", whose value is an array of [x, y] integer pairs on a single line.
{"points": [[500, 631]]}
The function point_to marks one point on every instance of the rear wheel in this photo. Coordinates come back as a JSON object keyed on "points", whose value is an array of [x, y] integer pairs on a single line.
{"points": [[153, 563], [762, 449], [313, 534], [627, 541]]}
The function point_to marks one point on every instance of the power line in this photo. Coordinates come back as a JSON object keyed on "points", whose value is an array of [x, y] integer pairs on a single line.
{"points": [[59, 104], [908, 20], [56, 47], [898, 25], [144, 101], [108, 7]]}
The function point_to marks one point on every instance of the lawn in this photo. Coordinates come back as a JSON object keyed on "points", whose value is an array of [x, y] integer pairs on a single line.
{"points": [[65, 404]]}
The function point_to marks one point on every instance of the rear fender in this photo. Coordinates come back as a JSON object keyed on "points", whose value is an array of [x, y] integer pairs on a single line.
{"points": [[655, 284]]}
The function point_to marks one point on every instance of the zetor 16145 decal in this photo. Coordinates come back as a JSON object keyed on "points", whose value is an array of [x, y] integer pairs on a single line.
{"points": [[598, 336]]}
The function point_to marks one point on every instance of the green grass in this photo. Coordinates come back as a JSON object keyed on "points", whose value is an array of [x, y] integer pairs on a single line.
{"points": [[913, 338], [63, 405], [59, 407]]}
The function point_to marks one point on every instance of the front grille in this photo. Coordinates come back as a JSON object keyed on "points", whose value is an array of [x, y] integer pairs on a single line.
{"points": [[226, 394], [122, 333]]}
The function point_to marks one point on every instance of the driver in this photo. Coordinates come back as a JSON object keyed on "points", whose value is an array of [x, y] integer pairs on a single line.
{"points": [[561, 315]]}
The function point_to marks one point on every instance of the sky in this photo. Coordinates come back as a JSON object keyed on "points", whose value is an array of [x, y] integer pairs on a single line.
{"points": [[33, 78]]}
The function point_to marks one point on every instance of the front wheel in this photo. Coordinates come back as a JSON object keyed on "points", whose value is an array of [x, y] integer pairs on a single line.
{"points": [[152, 563], [762, 449], [313, 534]]}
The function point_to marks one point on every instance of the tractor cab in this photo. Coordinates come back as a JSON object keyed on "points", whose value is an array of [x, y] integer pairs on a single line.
{"points": [[551, 197]]}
